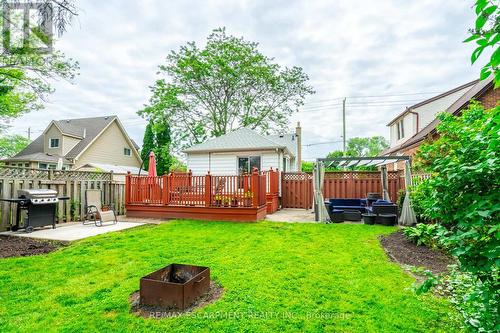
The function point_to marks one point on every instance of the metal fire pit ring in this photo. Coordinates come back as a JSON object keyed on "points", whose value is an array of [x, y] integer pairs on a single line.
{"points": [[174, 286]]}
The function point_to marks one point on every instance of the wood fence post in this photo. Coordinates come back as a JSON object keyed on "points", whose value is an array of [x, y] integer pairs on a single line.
{"points": [[127, 188], [255, 187], [208, 189], [166, 190]]}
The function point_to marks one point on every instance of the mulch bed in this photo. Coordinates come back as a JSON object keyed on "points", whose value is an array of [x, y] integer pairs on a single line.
{"points": [[214, 293], [23, 246], [404, 252]]}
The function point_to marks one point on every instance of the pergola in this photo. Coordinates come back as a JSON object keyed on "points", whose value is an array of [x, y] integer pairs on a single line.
{"points": [[407, 214]]}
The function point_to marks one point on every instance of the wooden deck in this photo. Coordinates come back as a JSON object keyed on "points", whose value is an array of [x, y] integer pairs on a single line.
{"points": [[208, 197]]}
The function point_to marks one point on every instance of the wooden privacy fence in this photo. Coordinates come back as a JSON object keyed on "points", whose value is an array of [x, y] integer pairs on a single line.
{"points": [[297, 191], [67, 183], [185, 189]]}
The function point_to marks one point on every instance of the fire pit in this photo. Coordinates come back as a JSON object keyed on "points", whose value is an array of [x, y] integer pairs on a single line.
{"points": [[174, 286]]}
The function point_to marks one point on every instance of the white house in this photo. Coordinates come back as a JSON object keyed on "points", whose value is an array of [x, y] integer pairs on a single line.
{"points": [[240, 151]]}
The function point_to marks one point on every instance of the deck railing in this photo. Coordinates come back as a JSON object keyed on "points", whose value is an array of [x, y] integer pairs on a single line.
{"points": [[185, 189]]}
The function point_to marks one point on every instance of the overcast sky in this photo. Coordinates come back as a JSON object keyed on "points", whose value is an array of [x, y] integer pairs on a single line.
{"points": [[366, 48]]}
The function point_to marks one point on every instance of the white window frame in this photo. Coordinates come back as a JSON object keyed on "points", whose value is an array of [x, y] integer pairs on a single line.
{"points": [[247, 157], [129, 151], [58, 142]]}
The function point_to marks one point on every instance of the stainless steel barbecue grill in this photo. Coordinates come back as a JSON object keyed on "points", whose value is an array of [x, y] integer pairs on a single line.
{"points": [[39, 208]]}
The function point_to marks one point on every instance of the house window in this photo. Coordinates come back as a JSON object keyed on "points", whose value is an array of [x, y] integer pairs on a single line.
{"points": [[53, 143], [246, 164], [401, 129], [127, 152], [42, 165]]}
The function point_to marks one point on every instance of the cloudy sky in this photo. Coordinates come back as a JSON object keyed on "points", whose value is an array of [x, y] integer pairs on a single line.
{"points": [[396, 52]]}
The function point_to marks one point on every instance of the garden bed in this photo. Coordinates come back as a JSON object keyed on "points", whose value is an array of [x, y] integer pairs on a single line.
{"points": [[24, 246], [403, 251]]}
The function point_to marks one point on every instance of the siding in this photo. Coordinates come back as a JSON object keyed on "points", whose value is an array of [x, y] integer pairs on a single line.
{"points": [[198, 163], [108, 149], [52, 133], [68, 143], [227, 163]]}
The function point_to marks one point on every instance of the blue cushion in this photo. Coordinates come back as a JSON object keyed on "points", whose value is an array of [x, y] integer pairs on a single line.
{"points": [[346, 202]]}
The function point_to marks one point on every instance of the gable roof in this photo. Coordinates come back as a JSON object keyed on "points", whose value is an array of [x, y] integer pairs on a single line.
{"points": [[433, 99], [240, 139], [479, 89], [86, 129]]}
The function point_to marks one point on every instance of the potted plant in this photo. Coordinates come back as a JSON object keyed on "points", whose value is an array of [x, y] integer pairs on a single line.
{"points": [[218, 200], [247, 198], [234, 202], [226, 201]]}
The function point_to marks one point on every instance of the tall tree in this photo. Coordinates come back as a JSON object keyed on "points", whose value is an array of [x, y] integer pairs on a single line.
{"points": [[157, 139], [26, 71], [207, 92], [486, 34], [148, 144]]}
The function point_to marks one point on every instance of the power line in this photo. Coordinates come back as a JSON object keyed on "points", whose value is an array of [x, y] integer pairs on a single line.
{"points": [[372, 96], [321, 143]]}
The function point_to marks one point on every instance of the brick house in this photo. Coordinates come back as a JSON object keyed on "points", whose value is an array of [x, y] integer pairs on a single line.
{"points": [[418, 122]]}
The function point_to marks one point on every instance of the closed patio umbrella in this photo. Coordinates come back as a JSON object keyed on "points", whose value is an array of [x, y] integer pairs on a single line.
{"points": [[152, 165], [407, 213], [385, 184]]}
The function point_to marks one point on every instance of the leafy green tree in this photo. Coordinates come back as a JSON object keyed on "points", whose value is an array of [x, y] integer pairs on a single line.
{"points": [[157, 139], [25, 72], [148, 144], [207, 92], [362, 147], [463, 196], [12, 144], [486, 34]]}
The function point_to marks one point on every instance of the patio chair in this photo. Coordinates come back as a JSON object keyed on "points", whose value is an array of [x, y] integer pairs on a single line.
{"points": [[96, 211]]}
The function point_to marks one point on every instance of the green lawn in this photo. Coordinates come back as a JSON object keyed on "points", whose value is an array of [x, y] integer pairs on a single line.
{"points": [[276, 276]]}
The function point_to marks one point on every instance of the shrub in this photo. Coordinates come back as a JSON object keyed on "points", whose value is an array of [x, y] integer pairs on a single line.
{"points": [[431, 235], [462, 195]]}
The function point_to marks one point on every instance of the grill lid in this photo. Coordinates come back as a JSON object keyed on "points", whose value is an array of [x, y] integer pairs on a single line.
{"points": [[37, 193]]}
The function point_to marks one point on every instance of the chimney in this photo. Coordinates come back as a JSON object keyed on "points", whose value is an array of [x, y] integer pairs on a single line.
{"points": [[84, 133], [298, 134]]}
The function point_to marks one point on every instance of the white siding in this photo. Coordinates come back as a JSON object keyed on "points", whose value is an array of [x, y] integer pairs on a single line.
{"points": [[427, 113], [198, 163], [223, 163], [227, 163]]}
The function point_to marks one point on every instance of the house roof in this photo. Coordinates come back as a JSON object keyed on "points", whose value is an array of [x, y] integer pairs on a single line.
{"points": [[479, 88], [432, 99], [86, 129], [242, 139]]}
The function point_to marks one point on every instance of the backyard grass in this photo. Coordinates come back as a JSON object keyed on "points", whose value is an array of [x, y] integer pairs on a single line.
{"points": [[276, 276]]}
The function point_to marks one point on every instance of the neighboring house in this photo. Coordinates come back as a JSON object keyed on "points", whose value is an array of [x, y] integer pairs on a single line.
{"points": [[240, 151], [74, 143], [418, 122]]}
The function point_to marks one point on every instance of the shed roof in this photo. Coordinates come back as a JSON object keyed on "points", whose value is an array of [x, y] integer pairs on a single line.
{"points": [[242, 139]]}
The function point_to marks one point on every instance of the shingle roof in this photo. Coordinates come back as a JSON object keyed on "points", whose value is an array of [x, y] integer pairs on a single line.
{"points": [[240, 139], [476, 91], [85, 128]]}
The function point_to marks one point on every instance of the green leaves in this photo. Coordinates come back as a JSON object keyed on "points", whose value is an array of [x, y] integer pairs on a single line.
{"points": [[486, 34], [462, 195], [207, 92]]}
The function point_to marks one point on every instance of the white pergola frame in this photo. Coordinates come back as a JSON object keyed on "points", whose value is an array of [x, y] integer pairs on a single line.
{"points": [[407, 215]]}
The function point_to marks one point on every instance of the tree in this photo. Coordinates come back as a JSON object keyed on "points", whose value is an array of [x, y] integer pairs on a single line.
{"points": [[157, 139], [486, 34], [362, 147], [25, 72], [12, 144], [207, 92], [148, 144]]}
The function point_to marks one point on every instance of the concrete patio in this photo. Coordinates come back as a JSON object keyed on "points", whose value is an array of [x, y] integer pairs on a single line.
{"points": [[292, 215], [72, 231]]}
